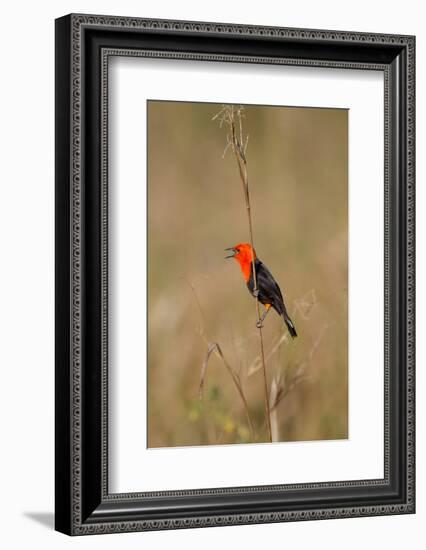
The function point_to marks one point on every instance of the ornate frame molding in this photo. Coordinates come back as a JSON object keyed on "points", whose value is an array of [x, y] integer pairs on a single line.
{"points": [[73, 51]]}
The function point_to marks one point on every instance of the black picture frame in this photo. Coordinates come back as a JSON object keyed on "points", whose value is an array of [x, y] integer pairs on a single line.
{"points": [[83, 504]]}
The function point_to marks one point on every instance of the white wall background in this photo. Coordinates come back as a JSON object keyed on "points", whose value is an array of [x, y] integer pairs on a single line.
{"points": [[26, 289]]}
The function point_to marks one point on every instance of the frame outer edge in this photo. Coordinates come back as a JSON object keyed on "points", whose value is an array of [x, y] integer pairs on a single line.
{"points": [[77, 22], [411, 270], [77, 255], [63, 496]]}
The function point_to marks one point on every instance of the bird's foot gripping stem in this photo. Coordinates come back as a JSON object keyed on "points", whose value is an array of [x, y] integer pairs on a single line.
{"points": [[256, 293], [259, 323]]}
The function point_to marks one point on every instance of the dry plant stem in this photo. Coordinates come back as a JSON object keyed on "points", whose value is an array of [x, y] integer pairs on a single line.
{"points": [[274, 413], [304, 313], [213, 347], [239, 152], [299, 376]]}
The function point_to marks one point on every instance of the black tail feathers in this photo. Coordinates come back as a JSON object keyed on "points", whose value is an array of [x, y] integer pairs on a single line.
{"points": [[290, 326]]}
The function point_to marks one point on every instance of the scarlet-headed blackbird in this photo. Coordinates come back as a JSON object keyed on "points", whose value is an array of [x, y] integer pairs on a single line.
{"points": [[268, 291]]}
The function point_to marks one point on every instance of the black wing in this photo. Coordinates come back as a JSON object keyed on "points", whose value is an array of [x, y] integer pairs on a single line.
{"points": [[269, 291]]}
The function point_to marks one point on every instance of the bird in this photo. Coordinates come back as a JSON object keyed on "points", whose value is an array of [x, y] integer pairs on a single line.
{"points": [[268, 292]]}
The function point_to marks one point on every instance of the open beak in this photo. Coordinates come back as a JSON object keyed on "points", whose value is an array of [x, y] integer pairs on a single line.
{"points": [[234, 251]]}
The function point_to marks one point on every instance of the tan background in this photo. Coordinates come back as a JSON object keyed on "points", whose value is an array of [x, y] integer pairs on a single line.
{"points": [[297, 165]]}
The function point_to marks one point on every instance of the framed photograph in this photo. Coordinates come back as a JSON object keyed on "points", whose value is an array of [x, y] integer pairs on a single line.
{"points": [[234, 274]]}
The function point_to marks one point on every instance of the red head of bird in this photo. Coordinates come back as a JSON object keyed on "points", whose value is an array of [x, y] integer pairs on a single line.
{"points": [[244, 254]]}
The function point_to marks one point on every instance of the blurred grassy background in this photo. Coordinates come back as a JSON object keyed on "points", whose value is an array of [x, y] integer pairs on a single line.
{"points": [[298, 173]]}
